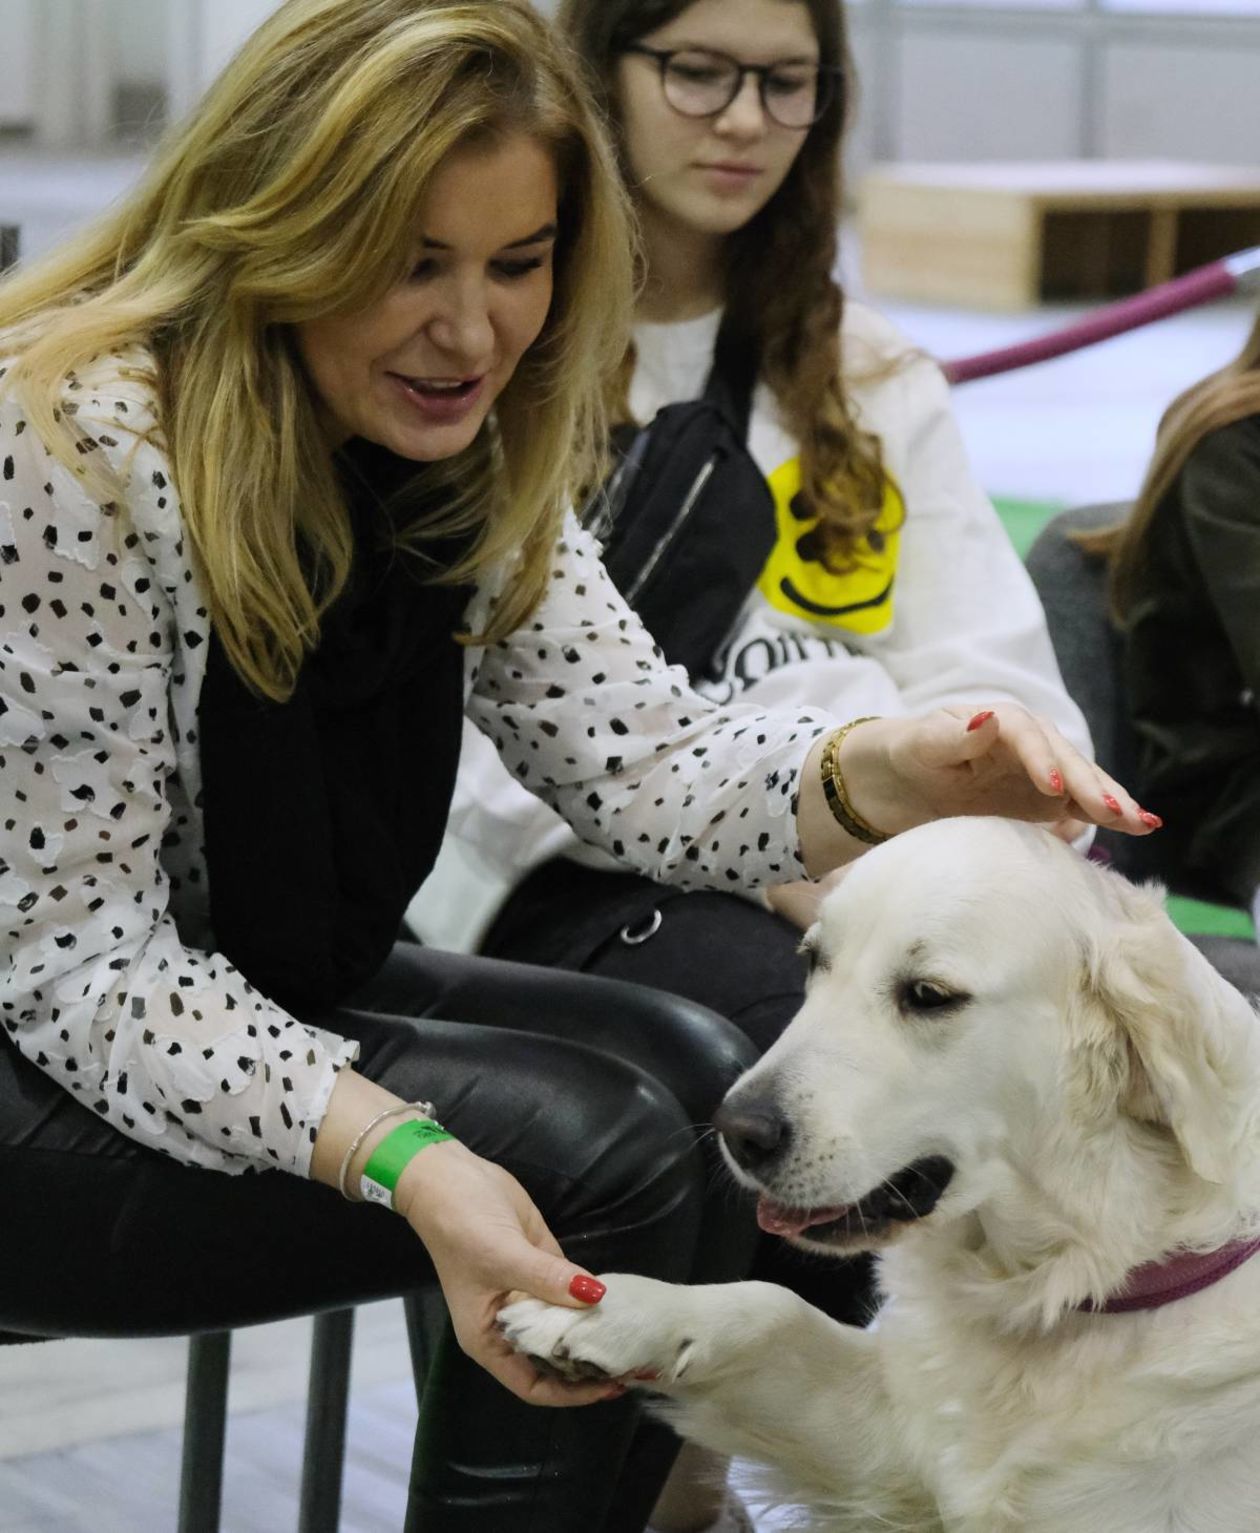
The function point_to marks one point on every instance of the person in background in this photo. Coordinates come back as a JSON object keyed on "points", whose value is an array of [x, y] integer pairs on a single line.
{"points": [[890, 583], [1185, 590]]}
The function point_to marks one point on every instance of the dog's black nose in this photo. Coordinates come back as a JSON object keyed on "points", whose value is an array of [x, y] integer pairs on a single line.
{"points": [[754, 1132]]}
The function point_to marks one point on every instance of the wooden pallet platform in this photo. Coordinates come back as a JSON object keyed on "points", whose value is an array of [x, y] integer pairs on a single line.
{"points": [[1011, 235]]}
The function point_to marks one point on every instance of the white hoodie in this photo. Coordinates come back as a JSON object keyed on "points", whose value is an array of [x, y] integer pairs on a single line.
{"points": [[939, 609]]}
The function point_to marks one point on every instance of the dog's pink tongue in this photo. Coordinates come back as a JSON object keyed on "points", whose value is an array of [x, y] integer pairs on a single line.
{"points": [[775, 1219]]}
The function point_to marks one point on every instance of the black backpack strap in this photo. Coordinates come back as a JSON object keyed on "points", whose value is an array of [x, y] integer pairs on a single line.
{"points": [[732, 379]]}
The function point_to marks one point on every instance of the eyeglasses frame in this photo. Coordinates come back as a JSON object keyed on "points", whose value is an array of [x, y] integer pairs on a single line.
{"points": [[833, 74]]}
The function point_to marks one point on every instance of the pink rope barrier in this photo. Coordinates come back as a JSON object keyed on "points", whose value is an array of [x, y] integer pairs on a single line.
{"points": [[1219, 279]]}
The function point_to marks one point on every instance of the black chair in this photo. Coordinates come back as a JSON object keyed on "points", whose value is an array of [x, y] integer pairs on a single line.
{"points": [[9, 245], [1073, 590], [323, 1455]]}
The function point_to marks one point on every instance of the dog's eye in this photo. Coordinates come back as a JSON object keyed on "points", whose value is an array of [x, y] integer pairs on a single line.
{"points": [[927, 995]]}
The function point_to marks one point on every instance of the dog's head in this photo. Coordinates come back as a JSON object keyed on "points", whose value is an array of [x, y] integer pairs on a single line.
{"points": [[996, 1029]]}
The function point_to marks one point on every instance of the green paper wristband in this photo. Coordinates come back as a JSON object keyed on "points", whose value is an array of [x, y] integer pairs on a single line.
{"points": [[396, 1150]]}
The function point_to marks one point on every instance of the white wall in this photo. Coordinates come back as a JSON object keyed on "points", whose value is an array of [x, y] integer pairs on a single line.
{"points": [[138, 39], [225, 24], [974, 98], [999, 79], [202, 36], [939, 79], [17, 31], [1183, 102]]}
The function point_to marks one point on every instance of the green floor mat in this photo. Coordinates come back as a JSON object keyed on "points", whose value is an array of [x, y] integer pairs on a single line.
{"points": [[1198, 918], [1024, 519]]}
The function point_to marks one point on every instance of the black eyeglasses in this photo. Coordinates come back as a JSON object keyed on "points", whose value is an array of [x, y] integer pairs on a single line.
{"points": [[698, 83]]}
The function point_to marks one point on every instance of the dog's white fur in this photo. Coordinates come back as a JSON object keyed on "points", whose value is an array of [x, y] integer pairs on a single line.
{"points": [[1099, 1097]]}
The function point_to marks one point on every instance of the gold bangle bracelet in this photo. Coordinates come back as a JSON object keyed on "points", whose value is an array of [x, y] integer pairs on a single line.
{"points": [[837, 795]]}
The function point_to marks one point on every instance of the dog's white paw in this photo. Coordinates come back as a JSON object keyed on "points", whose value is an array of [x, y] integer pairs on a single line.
{"points": [[639, 1327]]}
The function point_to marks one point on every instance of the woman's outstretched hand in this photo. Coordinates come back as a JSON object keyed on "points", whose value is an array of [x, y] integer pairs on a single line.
{"points": [[956, 761], [487, 1241], [489, 1244]]}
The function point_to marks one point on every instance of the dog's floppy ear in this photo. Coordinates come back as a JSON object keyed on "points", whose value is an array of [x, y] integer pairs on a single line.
{"points": [[1177, 1042]]}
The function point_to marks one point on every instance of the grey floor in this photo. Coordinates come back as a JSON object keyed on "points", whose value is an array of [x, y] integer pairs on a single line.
{"points": [[89, 1430]]}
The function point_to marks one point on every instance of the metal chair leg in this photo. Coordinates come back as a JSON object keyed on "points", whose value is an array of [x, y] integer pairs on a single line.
{"points": [[205, 1426], [323, 1458]]}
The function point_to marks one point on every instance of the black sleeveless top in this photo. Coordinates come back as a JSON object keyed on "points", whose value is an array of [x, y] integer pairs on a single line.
{"points": [[324, 814]]}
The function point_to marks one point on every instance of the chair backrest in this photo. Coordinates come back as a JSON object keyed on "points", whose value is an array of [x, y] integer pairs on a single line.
{"points": [[9, 245], [1073, 590]]}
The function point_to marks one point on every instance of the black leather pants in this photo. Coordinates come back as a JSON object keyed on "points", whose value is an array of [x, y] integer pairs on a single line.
{"points": [[588, 1091]]}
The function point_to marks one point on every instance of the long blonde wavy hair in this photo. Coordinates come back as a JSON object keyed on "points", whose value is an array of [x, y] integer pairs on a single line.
{"points": [[779, 273], [291, 193], [1214, 402]]}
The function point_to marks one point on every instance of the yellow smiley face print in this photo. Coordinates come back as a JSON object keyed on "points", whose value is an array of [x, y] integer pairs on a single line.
{"points": [[796, 581]]}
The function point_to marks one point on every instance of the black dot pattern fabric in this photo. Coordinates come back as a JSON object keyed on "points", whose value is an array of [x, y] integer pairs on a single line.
{"points": [[109, 976]]}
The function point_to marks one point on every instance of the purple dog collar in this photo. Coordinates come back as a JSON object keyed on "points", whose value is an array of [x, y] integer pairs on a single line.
{"points": [[1155, 1284]]}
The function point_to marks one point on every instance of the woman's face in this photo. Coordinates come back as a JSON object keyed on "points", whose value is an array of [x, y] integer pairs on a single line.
{"points": [[419, 371], [711, 175]]}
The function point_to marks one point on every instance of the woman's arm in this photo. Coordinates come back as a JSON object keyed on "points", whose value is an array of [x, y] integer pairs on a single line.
{"points": [[487, 1241], [167, 1043], [1002, 761], [585, 713], [170, 1044]]}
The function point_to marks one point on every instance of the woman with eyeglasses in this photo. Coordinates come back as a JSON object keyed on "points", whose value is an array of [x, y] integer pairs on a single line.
{"points": [[891, 585]]}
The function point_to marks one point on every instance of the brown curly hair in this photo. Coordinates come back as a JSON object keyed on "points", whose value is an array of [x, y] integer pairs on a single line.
{"points": [[779, 272]]}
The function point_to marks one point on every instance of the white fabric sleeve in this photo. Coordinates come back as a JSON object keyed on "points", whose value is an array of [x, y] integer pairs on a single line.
{"points": [[167, 1043], [585, 713], [968, 627]]}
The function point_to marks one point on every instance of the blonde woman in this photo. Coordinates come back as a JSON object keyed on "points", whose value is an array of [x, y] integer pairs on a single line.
{"points": [[1185, 586], [285, 449]]}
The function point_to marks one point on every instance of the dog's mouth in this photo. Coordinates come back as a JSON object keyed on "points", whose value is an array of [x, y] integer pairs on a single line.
{"points": [[899, 1200]]}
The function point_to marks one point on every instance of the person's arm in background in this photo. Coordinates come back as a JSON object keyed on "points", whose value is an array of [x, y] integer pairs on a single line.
{"points": [[968, 624]]}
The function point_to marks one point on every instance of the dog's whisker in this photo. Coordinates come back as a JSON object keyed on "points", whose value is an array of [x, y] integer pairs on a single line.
{"points": [[896, 1192]]}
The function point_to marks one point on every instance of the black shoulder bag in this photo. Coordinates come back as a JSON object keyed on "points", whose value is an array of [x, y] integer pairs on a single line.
{"points": [[686, 522], [685, 519]]}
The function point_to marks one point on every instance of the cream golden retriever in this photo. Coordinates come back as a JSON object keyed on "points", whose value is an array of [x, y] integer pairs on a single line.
{"points": [[1013, 1079]]}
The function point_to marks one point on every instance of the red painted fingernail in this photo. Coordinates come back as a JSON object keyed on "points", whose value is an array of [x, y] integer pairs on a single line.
{"points": [[1112, 803], [648, 1376], [588, 1289], [1147, 818], [980, 718], [1056, 780]]}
